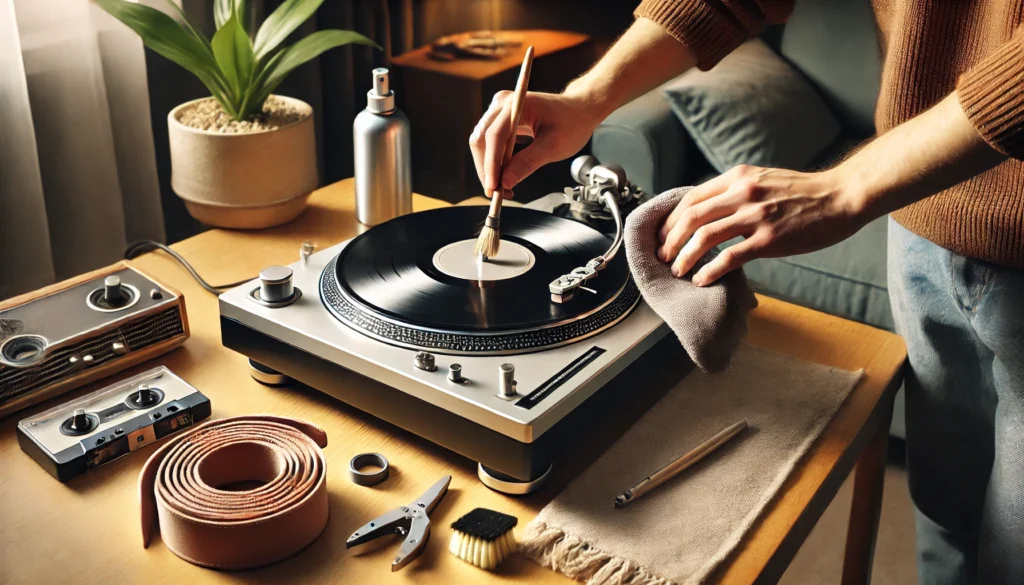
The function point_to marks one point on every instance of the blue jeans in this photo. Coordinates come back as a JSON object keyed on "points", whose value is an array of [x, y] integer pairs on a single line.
{"points": [[963, 321]]}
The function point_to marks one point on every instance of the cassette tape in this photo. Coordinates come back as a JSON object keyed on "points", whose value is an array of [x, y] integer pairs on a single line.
{"points": [[100, 427]]}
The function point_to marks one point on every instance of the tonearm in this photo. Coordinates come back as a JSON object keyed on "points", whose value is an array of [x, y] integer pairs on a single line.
{"points": [[601, 187]]}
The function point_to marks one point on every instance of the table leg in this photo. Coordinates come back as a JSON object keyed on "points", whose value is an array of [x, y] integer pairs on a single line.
{"points": [[869, 480]]}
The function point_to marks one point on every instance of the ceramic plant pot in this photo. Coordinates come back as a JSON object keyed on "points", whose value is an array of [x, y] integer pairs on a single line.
{"points": [[247, 180]]}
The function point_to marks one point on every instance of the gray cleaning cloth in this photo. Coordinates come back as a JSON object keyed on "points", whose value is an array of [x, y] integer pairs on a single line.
{"points": [[709, 321], [687, 528]]}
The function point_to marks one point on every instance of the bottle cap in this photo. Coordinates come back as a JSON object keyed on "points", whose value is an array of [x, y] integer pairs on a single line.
{"points": [[380, 99]]}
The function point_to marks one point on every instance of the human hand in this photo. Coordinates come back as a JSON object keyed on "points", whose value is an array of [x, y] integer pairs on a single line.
{"points": [[560, 125], [778, 212]]}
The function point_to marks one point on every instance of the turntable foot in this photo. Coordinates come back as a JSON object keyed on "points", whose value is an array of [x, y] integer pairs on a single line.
{"points": [[266, 375], [507, 484]]}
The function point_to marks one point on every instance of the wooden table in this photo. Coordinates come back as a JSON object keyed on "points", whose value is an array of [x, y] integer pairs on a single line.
{"points": [[445, 99], [88, 530]]}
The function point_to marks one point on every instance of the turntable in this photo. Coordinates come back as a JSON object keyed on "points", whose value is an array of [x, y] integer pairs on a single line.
{"points": [[504, 361]]}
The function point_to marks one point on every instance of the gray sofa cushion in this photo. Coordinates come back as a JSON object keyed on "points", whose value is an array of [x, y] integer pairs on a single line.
{"points": [[847, 279], [645, 137], [753, 108], [835, 44]]}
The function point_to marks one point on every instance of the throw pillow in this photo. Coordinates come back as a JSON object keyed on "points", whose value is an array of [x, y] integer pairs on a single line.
{"points": [[753, 108]]}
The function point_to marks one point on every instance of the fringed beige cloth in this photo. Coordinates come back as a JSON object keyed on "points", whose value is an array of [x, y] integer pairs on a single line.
{"points": [[682, 531]]}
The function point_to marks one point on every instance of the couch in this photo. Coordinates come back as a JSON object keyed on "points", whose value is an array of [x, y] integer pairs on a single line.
{"points": [[834, 44]]}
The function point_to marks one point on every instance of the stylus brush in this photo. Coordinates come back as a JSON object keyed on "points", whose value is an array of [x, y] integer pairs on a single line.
{"points": [[484, 538], [489, 241]]}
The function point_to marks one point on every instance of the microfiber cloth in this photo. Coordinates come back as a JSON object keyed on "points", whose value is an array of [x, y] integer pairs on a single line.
{"points": [[709, 321]]}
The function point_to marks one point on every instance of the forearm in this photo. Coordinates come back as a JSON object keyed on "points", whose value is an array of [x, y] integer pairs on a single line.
{"points": [[642, 59], [923, 156]]}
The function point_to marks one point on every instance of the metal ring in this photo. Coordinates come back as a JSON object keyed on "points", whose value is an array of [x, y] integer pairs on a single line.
{"points": [[507, 484], [254, 296], [365, 460]]}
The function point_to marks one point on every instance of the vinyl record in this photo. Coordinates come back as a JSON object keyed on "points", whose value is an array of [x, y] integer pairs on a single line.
{"points": [[419, 272]]}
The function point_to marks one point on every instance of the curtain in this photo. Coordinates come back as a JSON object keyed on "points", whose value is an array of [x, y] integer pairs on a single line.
{"points": [[77, 165]]}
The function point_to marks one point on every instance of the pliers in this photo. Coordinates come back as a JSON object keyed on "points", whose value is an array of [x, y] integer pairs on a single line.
{"points": [[410, 521]]}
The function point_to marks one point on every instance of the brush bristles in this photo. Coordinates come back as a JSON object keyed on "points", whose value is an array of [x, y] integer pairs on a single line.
{"points": [[482, 553], [488, 242]]}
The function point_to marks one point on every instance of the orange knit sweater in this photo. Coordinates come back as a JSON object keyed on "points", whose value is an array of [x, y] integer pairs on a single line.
{"points": [[930, 48]]}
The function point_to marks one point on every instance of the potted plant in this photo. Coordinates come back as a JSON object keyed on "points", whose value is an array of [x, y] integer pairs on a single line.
{"points": [[242, 158]]}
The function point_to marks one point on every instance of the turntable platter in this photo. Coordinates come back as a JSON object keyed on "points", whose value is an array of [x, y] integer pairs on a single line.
{"points": [[414, 281]]}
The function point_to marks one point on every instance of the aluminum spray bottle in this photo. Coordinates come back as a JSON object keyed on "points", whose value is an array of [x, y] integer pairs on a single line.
{"points": [[383, 162]]}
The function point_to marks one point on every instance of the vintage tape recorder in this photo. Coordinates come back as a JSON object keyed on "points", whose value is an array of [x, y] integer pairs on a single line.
{"points": [[73, 332], [97, 428]]}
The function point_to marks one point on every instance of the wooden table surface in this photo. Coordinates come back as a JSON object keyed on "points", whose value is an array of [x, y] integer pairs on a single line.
{"points": [[88, 530]]}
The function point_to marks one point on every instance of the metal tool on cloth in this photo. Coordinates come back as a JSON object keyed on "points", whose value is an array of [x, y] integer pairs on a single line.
{"points": [[411, 521]]}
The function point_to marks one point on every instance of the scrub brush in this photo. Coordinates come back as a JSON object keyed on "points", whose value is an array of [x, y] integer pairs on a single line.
{"points": [[490, 236], [484, 538]]}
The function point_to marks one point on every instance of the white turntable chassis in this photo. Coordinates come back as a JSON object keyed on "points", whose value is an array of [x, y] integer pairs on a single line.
{"points": [[308, 325]]}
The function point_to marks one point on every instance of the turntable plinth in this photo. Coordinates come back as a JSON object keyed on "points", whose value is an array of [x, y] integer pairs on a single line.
{"points": [[40, 542]]}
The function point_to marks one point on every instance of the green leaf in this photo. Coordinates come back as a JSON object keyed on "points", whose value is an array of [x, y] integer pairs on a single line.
{"points": [[223, 9], [308, 48], [184, 21], [168, 38], [233, 51], [283, 22]]}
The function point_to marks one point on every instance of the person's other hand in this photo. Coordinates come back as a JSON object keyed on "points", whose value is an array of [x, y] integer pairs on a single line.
{"points": [[778, 212], [560, 125]]}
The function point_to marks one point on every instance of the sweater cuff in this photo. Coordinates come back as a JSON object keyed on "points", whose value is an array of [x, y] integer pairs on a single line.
{"points": [[706, 31], [992, 95]]}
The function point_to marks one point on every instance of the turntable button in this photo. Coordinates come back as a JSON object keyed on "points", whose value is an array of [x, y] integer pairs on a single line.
{"points": [[87, 359], [276, 284], [75, 362], [424, 360], [118, 348], [507, 381], [455, 374]]}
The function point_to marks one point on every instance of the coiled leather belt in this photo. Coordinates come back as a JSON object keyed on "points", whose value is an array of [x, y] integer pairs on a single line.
{"points": [[212, 527]]}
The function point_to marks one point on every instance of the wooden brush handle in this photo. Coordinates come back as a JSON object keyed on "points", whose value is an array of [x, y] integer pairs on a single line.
{"points": [[518, 97]]}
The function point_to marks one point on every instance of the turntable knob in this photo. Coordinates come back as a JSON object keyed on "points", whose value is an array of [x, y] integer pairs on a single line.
{"points": [[276, 284], [79, 421], [455, 374], [506, 381], [112, 294], [424, 360]]}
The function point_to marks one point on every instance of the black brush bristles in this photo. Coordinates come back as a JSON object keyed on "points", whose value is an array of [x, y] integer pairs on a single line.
{"points": [[483, 537]]}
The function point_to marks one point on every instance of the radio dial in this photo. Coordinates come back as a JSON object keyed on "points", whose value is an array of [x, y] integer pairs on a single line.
{"points": [[112, 294]]}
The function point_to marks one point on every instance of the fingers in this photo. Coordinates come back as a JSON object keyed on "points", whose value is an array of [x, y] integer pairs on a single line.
{"points": [[476, 138], [728, 260], [487, 142], [704, 191], [526, 161], [704, 239], [690, 218]]}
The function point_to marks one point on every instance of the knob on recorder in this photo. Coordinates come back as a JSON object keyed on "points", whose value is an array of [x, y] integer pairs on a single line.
{"points": [[79, 423], [112, 294], [145, 397]]}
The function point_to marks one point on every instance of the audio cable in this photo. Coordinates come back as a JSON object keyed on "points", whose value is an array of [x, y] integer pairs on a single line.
{"points": [[143, 246]]}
